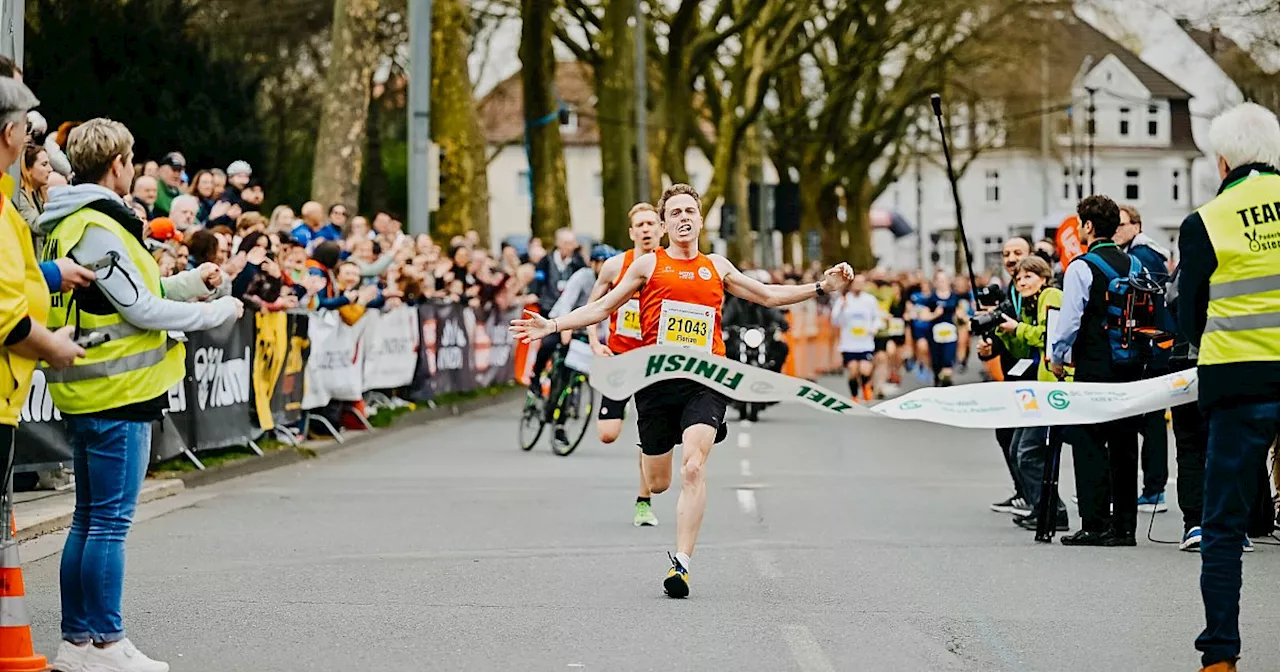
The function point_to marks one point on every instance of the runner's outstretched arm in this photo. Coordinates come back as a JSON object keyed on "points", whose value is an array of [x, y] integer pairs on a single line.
{"points": [[834, 280], [534, 326]]}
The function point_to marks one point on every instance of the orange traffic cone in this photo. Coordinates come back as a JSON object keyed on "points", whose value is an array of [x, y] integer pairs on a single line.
{"points": [[16, 652]]}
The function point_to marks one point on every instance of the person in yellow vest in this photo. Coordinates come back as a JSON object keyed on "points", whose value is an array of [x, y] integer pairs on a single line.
{"points": [[1229, 307], [24, 284], [111, 397]]}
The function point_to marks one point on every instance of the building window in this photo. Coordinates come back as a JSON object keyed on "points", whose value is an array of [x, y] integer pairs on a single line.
{"points": [[1177, 185], [1131, 191], [1124, 122], [568, 121], [1066, 183], [993, 186], [1153, 121]]}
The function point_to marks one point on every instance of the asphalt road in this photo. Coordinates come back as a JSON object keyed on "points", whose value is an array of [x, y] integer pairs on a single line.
{"points": [[828, 544]]}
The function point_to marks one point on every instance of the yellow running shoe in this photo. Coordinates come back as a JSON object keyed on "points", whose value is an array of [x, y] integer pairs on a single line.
{"points": [[677, 582]]}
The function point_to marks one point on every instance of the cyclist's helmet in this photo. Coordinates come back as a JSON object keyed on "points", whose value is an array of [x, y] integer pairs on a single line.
{"points": [[602, 252]]}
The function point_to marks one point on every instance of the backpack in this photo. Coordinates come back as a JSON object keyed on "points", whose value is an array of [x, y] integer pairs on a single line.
{"points": [[1130, 311]]}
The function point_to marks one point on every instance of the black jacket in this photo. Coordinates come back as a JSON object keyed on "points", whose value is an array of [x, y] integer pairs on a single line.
{"points": [[1238, 382], [549, 281], [1092, 350]]}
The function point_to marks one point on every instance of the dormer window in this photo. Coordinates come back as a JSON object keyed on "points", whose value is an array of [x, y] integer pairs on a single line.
{"points": [[1153, 121], [1124, 122]]}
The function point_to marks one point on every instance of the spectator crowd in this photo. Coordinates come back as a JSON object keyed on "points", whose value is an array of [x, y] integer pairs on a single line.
{"points": [[320, 256]]}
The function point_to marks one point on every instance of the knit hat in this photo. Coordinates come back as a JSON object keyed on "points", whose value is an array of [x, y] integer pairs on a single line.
{"points": [[162, 228], [239, 168]]}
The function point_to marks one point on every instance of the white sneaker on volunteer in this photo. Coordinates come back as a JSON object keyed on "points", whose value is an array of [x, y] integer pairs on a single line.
{"points": [[122, 656], [70, 657]]}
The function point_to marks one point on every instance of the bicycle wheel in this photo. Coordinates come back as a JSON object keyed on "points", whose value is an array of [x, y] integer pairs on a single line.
{"points": [[573, 413], [531, 422]]}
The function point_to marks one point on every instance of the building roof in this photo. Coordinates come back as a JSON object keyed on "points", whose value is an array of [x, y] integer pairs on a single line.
{"points": [[1078, 40], [502, 109]]}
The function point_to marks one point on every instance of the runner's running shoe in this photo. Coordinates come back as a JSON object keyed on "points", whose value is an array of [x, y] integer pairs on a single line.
{"points": [[644, 516], [677, 582]]}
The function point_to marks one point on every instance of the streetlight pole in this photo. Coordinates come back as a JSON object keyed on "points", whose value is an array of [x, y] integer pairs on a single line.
{"points": [[419, 116], [1093, 129], [642, 107]]}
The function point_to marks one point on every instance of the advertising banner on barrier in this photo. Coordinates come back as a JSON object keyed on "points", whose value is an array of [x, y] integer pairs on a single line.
{"points": [[493, 346], [335, 369], [219, 383], [446, 347], [286, 400], [271, 348], [391, 349], [41, 436]]}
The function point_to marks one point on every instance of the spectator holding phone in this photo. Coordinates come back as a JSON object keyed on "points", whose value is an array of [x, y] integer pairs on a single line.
{"points": [[111, 397]]}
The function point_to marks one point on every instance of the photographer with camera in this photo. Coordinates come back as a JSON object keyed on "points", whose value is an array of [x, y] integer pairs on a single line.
{"points": [[1025, 336], [1099, 290], [989, 348]]}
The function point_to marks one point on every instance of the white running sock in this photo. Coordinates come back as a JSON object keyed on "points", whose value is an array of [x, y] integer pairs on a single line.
{"points": [[683, 560]]}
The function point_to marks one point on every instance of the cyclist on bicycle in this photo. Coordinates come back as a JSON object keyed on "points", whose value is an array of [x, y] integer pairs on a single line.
{"points": [[577, 293]]}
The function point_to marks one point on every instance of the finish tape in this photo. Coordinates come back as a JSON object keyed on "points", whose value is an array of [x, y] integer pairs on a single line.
{"points": [[978, 406]]}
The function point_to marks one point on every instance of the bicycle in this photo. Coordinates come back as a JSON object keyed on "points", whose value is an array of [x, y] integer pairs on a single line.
{"points": [[574, 401]]}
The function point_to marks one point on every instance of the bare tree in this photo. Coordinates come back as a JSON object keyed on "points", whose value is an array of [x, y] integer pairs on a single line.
{"points": [[340, 145], [546, 149]]}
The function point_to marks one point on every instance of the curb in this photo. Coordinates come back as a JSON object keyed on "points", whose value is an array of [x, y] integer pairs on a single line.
{"points": [[313, 449], [151, 491]]}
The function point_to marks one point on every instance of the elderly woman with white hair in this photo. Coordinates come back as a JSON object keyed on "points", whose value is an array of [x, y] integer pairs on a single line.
{"points": [[1228, 306]]}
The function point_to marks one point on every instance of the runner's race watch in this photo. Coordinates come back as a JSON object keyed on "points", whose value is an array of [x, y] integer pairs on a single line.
{"points": [[817, 286]]}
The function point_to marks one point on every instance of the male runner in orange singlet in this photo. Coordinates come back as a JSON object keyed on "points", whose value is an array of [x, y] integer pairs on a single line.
{"points": [[681, 294], [624, 335]]}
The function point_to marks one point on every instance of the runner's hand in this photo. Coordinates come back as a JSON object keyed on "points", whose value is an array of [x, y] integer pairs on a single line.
{"points": [[602, 350], [531, 328], [837, 278]]}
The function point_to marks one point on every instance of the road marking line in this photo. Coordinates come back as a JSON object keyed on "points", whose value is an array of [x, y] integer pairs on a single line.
{"points": [[747, 501], [744, 439], [746, 467], [805, 649]]}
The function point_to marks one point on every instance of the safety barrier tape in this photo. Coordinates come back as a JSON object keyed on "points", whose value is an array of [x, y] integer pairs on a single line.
{"points": [[977, 406]]}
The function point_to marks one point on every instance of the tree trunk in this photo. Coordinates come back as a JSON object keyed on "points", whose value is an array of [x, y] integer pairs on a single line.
{"points": [[375, 178], [811, 186], [677, 115], [455, 125], [615, 89], [546, 149], [858, 224], [339, 159]]}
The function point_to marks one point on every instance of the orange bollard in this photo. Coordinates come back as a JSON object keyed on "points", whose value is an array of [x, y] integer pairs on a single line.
{"points": [[16, 652]]}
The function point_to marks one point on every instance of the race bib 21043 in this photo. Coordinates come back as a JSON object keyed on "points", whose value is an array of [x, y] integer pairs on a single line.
{"points": [[687, 325]]}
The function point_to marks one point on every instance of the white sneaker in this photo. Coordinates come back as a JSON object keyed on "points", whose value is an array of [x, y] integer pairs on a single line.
{"points": [[70, 657], [122, 656]]}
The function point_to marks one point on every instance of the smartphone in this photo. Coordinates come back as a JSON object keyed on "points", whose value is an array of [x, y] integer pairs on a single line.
{"points": [[105, 262], [92, 340]]}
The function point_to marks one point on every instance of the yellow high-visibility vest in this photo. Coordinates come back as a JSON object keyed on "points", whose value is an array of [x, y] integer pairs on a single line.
{"points": [[1243, 224], [136, 365]]}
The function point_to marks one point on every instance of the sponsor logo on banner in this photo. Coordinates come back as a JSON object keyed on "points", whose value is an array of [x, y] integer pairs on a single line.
{"points": [[221, 382], [39, 406], [178, 398], [910, 405], [1027, 403], [272, 349], [761, 387], [1058, 399], [822, 399], [1180, 386], [449, 355]]}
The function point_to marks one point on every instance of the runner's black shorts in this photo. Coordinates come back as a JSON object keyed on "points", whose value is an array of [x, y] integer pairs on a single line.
{"points": [[882, 342], [665, 409], [612, 409], [857, 356]]}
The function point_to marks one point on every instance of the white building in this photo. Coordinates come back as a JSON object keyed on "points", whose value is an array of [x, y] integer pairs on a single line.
{"points": [[1143, 152], [502, 119]]}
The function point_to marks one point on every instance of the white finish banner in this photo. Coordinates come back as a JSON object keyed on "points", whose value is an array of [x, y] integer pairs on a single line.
{"points": [[976, 406]]}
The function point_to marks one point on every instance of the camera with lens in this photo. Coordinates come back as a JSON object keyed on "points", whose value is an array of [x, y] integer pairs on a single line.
{"points": [[983, 324]]}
